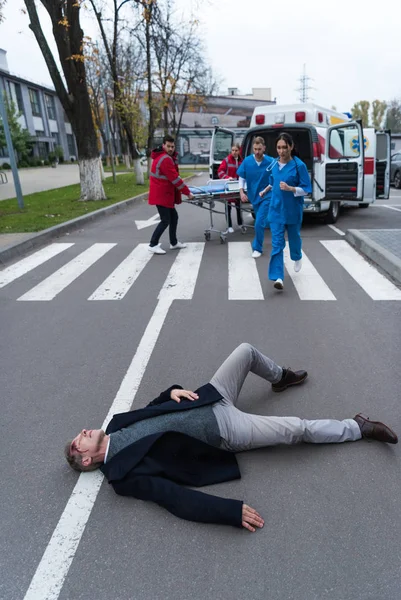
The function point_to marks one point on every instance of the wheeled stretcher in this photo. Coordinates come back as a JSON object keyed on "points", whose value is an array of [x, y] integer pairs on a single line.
{"points": [[218, 192]]}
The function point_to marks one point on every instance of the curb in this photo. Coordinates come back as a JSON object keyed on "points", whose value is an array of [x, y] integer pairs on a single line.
{"points": [[40, 238], [390, 263]]}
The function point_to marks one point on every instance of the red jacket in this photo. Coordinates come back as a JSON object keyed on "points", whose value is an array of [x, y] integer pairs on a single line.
{"points": [[228, 167], [165, 183]]}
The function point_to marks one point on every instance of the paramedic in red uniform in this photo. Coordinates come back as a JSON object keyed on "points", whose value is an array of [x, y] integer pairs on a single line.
{"points": [[228, 170], [165, 191]]}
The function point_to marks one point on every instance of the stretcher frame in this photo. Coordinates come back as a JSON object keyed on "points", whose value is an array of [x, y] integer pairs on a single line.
{"points": [[218, 191]]}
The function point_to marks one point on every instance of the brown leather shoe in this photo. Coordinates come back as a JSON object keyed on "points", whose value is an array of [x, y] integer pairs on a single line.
{"points": [[374, 430], [289, 378]]}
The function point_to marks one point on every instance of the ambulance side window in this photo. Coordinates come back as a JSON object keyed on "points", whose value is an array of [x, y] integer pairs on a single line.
{"points": [[344, 142], [223, 143]]}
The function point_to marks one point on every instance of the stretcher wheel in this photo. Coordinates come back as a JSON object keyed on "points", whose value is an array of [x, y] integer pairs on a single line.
{"points": [[243, 229], [222, 239], [207, 236]]}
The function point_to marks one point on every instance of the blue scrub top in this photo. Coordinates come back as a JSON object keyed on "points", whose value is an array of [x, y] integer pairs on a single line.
{"points": [[257, 177], [285, 208]]}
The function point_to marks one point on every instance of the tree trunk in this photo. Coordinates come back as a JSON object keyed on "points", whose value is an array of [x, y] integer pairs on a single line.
{"points": [[91, 180], [102, 175], [139, 177], [127, 161]]}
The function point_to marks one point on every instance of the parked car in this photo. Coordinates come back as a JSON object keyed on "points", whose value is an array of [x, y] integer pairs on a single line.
{"points": [[395, 170]]}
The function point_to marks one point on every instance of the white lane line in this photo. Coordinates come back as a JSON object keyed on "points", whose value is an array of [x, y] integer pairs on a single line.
{"points": [[58, 281], [243, 278], [53, 568], [390, 207], [181, 280], [336, 229], [31, 262], [124, 276], [369, 278], [308, 283]]}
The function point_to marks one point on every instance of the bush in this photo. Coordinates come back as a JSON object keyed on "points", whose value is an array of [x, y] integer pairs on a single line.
{"points": [[46, 163], [23, 164], [5, 166]]}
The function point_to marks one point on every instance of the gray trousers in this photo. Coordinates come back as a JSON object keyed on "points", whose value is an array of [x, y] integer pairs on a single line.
{"points": [[242, 431]]}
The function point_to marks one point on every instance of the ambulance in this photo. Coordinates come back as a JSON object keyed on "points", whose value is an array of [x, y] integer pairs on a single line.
{"points": [[347, 165]]}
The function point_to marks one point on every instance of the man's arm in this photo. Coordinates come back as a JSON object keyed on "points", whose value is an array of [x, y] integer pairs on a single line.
{"points": [[168, 169], [181, 501], [165, 396]]}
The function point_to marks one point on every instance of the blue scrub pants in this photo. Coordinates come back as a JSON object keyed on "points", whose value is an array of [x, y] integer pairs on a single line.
{"points": [[276, 266], [261, 211]]}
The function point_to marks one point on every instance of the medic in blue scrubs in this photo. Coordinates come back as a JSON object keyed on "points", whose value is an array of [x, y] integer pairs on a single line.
{"points": [[289, 183], [254, 170]]}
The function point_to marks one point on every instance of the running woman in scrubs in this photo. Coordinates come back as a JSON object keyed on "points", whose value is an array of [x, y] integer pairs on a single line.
{"points": [[289, 183]]}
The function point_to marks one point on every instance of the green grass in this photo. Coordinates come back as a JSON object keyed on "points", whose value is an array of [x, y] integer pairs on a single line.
{"points": [[118, 169], [45, 209]]}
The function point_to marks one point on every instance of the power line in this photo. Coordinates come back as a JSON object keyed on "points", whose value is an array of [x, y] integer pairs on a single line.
{"points": [[304, 87]]}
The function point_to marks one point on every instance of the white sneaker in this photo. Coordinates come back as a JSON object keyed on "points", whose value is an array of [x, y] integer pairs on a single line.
{"points": [[278, 284], [178, 246], [156, 249], [298, 265], [256, 254], [230, 230]]}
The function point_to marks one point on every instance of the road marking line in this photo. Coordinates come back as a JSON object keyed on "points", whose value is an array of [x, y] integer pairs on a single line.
{"points": [[336, 229], [243, 278], [308, 283], [53, 568], [31, 262], [124, 276], [367, 276], [389, 207], [58, 281]]}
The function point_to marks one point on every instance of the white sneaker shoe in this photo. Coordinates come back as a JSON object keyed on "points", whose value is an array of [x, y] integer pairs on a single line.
{"points": [[256, 254], [230, 230], [178, 246], [278, 284], [298, 265], [156, 249]]}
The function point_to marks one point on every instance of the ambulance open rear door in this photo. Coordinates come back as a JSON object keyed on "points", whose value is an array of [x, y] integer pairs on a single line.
{"points": [[220, 147], [382, 160], [344, 163]]}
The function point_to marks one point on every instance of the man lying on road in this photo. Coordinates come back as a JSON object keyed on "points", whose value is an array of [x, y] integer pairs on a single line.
{"points": [[186, 438]]}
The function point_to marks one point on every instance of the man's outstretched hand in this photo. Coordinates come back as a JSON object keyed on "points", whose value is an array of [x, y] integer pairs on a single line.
{"points": [[251, 518], [176, 395]]}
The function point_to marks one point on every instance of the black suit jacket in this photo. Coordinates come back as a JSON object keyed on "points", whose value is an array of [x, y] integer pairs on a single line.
{"points": [[158, 466]]}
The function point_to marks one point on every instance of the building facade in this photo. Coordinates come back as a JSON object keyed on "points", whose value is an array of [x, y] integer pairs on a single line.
{"points": [[40, 112]]}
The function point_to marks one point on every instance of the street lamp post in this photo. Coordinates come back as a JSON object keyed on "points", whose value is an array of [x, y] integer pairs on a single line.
{"points": [[11, 154]]}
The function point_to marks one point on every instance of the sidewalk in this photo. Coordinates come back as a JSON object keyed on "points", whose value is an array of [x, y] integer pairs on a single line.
{"points": [[382, 246]]}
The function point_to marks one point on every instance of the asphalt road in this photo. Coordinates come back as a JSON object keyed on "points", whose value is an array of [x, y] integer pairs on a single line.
{"points": [[332, 513]]}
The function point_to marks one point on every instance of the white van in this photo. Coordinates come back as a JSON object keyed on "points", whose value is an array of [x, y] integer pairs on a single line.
{"points": [[347, 165]]}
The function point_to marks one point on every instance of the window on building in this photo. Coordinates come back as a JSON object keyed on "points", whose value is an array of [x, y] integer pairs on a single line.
{"points": [[3, 153], [18, 93], [39, 133], [56, 138], [34, 99], [43, 149], [71, 144], [51, 107]]}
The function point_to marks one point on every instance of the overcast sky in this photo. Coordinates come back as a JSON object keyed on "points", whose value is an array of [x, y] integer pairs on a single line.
{"points": [[351, 48]]}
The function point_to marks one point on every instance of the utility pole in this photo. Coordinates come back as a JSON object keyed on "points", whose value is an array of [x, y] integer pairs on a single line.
{"points": [[11, 153], [304, 87]]}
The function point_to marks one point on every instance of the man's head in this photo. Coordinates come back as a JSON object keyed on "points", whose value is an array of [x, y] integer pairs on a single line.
{"points": [[169, 144], [87, 450], [259, 147]]}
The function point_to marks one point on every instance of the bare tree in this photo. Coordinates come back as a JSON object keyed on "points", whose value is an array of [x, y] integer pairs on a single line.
{"points": [[378, 113], [2, 4], [112, 48], [393, 117], [69, 38]]}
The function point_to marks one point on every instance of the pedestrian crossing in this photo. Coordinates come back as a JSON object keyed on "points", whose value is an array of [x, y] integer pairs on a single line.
{"points": [[246, 280]]}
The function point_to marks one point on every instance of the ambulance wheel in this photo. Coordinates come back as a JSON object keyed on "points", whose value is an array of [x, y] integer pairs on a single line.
{"points": [[207, 236], [332, 214], [243, 229], [363, 205], [397, 180]]}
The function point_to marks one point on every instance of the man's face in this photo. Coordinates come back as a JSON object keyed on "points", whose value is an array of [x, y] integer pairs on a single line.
{"points": [[258, 150], [87, 443], [169, 147]]}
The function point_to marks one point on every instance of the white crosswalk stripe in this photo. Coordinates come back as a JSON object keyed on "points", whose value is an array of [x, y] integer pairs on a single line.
{"points": [[308, 283], [369, 278], [243, 278], [31, 262], [241, 273], [53, 285], [124, 276]]}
